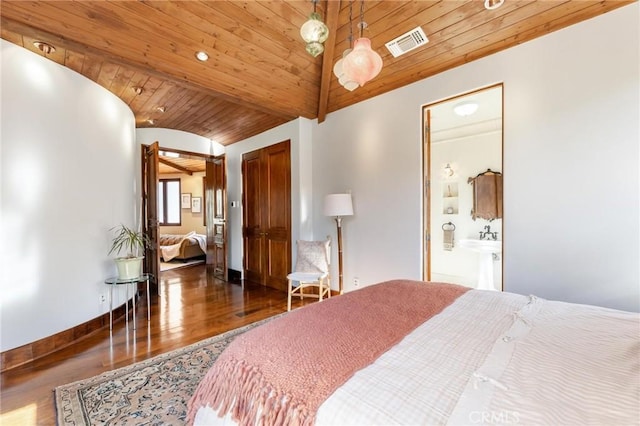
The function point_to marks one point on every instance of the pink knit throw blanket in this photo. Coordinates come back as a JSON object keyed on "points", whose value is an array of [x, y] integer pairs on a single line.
{"points": [[281, 372]]}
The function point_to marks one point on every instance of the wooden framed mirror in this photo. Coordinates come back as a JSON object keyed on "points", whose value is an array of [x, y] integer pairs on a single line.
{"points": [[463, 175]]}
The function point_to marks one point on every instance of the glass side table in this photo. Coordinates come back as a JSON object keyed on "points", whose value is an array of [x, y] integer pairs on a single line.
{"points": [[115, 281]]}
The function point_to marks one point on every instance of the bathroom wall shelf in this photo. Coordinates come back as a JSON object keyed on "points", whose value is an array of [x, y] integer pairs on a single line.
{"points": [[450, 198]]}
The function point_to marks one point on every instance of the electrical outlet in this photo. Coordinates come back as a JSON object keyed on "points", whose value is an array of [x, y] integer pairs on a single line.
{"points": [[356, 282], [103, 298]]}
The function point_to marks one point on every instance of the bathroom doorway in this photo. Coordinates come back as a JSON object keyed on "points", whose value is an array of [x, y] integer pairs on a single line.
{"points": [[463, 139]]}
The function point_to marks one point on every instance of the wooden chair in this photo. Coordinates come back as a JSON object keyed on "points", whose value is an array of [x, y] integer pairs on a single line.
{"points": [[311, 271]]}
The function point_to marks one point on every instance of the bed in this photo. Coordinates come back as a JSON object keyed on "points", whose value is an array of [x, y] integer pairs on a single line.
{"points": [[182, 247], [408, 352]]}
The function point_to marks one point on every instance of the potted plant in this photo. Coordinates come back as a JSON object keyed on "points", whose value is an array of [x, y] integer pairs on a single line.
{"points": [[133, 243]]}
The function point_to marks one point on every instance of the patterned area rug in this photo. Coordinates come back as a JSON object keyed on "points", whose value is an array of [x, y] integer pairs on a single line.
{"points": [[150, 392]]}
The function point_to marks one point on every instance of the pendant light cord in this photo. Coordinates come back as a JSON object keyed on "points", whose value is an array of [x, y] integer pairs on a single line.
{"points": [[362, 24], [350, 23]]}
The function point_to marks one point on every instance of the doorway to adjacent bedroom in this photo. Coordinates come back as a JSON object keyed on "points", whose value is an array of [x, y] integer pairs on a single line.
{"points": [[190, 198]]}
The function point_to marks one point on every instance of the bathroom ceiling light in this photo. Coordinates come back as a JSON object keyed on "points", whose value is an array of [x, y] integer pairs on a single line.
{"points": [[202, 56], [465, 108], [493, 4]]}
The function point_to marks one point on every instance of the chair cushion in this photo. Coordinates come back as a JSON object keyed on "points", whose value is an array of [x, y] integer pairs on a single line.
{"points": [[306, 277], [312, 256]]}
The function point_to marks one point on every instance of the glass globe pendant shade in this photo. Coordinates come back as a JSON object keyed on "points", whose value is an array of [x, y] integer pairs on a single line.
{"points": [[342, 78], [363, 63], [337, 68], [347, 84], [314, 48], [314, 32]]}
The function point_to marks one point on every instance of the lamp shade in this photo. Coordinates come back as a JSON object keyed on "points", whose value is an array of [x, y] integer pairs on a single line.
{"points": [[314, 32], [342, 78], [363, 63], [338, 205]]}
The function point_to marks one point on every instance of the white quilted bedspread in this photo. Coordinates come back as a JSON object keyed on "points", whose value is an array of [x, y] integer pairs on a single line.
{"points": [[498, 358]]}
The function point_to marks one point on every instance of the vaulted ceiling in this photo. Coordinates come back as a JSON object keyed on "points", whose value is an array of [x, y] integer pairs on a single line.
{"points": [[258, 74]]}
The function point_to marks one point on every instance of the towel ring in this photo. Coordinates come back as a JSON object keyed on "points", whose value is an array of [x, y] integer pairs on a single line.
{"points": [[450, 224]]}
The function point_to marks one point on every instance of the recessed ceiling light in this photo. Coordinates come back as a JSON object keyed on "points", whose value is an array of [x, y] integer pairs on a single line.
{"points": [[465, 108], [44, 47], [151, 121], [202, 56], [161, 109], [137, 89], [492, 4]]}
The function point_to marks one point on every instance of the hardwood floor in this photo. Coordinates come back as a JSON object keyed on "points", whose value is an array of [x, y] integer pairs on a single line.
{"points": [[192, 306]]}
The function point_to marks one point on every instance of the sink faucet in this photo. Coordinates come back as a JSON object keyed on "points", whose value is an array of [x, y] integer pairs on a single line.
{"points": [[488, 235]]}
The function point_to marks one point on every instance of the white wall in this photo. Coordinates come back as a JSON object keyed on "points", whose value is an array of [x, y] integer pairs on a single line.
{"points": [[177, 139], [571, 166], [189, 221], [69, 172], [571, 158]]}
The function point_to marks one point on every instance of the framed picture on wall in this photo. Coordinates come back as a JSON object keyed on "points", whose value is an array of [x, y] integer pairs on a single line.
{"points": [[185, 200], [196, 205]]}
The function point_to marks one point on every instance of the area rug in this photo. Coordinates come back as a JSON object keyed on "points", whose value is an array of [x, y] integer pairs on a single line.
{"points": [[167, 266], [150, 392]]}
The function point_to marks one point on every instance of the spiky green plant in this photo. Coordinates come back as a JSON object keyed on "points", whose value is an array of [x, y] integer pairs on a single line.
{"points": [[126, 239]]}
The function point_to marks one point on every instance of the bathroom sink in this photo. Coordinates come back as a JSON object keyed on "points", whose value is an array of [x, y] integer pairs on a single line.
{"points": [[487, 253], [482, 246]]}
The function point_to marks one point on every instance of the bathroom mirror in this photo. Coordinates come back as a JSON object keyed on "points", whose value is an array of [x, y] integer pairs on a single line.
{"points": [[463, 140]]}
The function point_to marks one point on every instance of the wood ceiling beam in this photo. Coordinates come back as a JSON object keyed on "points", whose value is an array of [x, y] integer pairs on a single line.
{"points": [[175, 166], [59, 41], [333, 9]]}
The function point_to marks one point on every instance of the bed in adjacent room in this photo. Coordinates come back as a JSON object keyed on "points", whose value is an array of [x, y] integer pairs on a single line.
{"points": [[408, 352], [182, 247]]}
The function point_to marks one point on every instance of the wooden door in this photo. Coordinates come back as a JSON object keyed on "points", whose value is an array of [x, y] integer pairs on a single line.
{"points": [[150, 213], [266, 182], [216, 216], [427, 194]]}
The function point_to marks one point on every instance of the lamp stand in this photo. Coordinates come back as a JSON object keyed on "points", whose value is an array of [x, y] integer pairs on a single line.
{"points": [[339, 226]]}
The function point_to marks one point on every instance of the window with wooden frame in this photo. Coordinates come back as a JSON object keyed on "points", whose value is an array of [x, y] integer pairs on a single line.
{"points": [[169, 202]]}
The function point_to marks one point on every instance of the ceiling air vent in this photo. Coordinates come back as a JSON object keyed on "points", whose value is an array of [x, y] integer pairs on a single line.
{"points": [[406, 42]]}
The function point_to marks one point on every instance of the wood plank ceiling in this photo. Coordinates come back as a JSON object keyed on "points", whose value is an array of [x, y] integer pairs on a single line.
{"points": [[259, 75]]}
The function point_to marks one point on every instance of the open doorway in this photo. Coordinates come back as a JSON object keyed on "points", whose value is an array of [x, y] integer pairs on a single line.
{"points": [[191, 200], [463, 144]]}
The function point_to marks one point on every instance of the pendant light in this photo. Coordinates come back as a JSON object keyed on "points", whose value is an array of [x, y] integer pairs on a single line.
{"points": [[363, 63], [338, 68], [493, 4], [314, 32]]}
